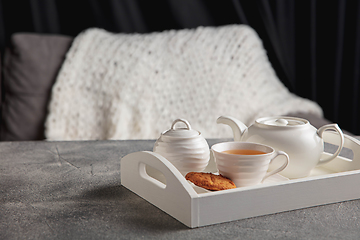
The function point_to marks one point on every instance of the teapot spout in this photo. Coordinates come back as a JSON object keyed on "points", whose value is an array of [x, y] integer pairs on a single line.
{"points": [[237, 126]]}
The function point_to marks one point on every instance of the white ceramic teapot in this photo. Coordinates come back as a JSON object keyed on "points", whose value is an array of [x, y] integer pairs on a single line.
{"points": [[185, 148], [295, 136]]}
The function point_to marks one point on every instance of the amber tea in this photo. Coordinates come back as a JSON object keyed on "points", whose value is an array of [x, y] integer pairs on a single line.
{"points": [[244, 152]]}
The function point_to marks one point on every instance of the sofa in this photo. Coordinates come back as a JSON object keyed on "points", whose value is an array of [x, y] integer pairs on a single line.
{"points": [[29, 69]]}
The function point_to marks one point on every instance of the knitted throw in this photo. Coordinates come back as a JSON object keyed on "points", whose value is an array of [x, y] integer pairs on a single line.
{"points": [[132, 86]]}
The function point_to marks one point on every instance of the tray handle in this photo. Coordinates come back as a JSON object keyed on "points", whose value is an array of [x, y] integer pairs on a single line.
{"points": [[342, 163], [174, 197], [133, 168]]}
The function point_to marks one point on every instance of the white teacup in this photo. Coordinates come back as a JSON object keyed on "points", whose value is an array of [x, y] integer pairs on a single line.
{"points": [[246, 163]]}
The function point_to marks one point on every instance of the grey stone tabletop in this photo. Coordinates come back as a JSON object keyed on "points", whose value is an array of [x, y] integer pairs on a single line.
{"points": [[72, 190]]}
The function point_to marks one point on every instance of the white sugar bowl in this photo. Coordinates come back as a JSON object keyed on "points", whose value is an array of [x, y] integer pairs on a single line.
{"points": [[185, 148]]}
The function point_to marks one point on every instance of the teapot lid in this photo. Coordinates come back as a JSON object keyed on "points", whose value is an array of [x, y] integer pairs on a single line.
{"points": [[186, 132], [283, 121]]}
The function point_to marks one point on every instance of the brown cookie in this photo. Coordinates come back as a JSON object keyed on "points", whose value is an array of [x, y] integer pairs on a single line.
{"points": [[210, 181]]}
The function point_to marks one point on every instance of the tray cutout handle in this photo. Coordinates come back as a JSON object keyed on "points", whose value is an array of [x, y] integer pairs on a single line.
{"points": [[342, 164], [152, 175], [133, 170]]}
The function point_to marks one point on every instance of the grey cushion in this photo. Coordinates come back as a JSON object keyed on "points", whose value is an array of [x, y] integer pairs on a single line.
{"points": [[31, 65]]}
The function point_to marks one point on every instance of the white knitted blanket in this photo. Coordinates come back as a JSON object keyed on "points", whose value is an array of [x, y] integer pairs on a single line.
{"points": [[132, 86]]}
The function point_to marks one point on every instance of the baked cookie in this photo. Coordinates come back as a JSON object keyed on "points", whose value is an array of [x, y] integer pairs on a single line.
{"points": [[210, 181]]}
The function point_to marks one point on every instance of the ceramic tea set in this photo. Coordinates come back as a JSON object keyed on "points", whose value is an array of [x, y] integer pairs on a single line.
{"points": [[299, 142], [295, 136]]}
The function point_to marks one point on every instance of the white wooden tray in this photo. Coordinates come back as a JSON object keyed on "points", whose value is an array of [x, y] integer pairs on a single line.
{"points": [[155, 179]]}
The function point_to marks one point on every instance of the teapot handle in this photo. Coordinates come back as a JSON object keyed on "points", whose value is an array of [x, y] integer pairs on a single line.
{"points": [[337, 129]]}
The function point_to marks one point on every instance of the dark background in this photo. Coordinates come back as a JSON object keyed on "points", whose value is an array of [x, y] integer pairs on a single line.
{"points": [[314, 45]]}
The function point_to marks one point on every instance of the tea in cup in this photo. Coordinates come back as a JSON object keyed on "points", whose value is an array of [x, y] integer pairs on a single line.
{"points": [[246, 163]]}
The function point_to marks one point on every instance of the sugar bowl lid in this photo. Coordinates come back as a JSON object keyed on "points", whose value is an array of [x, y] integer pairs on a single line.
{"points": [[186, 132]]}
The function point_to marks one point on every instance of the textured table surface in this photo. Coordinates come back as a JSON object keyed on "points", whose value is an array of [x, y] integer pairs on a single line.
{"points": [[72, 190]]}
